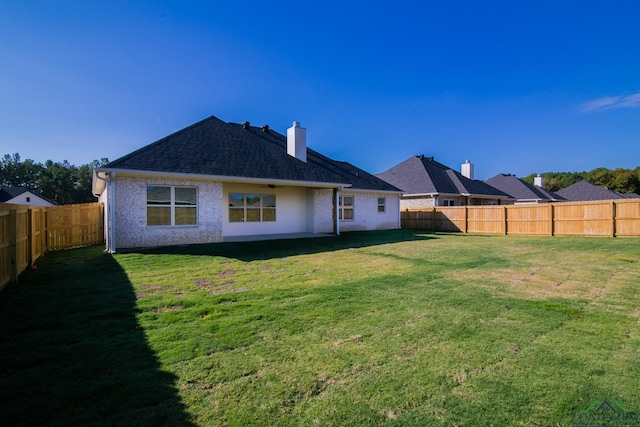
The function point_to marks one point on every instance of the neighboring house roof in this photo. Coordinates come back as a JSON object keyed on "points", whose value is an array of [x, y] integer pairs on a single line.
{"points": [[216, 148], [10, 193], [521, 190], [423, 175], [585, 191]]}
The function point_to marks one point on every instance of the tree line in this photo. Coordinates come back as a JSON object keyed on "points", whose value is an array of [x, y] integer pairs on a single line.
{"points": [[59, 181], [620, 180], [66, 183]]}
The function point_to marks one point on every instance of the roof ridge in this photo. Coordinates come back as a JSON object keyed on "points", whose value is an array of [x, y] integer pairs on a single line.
{"points": [[163, 139]]}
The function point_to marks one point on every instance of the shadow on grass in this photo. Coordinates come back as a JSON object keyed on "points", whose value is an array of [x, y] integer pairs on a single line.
{"points": [[72, 353], [269, 249]]}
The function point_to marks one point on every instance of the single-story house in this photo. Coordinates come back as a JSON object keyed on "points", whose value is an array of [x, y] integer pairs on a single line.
{"points": [[521, 191], [584, 191], [216, 180], [427, 183], [23, 196]]}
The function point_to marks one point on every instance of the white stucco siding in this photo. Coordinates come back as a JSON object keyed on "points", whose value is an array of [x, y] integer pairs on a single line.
{"points": [[131, 214], [322, 211], [292, 211], [366, 215]]}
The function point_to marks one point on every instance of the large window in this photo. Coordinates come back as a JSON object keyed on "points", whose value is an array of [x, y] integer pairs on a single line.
{"points": [[345, 208], [382, 204], [448, 202], [252, 207], [172, 205]]}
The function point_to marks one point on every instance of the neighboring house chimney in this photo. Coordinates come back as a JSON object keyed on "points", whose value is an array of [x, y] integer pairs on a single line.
{"points": [[297, 142], [537, 180], [467, 169]]}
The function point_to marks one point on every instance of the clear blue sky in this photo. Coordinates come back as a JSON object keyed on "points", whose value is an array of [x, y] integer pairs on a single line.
{"points": [[515, 87]]}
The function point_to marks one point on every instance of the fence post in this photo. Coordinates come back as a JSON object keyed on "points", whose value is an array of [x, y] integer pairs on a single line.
{"points": [[613, 218], [433, 219], [12, 259], [466, 219], [29, 237], [506, 230]]}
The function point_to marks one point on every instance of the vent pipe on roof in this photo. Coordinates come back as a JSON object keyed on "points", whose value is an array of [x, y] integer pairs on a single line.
{"points": [[245, 125], [297, 142], [467, 169], [538, 181], [265, 128]]}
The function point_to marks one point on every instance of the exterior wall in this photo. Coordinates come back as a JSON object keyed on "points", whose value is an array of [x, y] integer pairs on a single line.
{"points": [[291, 211], [34, 200], [366, 215], [412, 202], [322, 211], [131, 214], [416, 203]]}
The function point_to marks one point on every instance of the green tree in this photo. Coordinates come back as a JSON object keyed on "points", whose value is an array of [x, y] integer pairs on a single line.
{"points": [[62, 182]]}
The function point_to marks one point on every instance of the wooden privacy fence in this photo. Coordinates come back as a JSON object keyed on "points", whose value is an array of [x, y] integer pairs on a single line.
{"points": [[612, 218], [27, 232]]}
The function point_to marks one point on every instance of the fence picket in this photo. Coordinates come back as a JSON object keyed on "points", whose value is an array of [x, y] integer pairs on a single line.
{"points": [[27, 232], [614, 218]]}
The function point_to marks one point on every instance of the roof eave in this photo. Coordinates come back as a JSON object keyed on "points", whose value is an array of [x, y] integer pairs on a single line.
{"points": [[223, 178]]}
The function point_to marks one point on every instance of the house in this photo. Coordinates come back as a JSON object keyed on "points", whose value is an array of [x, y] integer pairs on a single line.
{"points": [[215, 180], [521, 191], [23, 196], [583, 191], [427, 183]]}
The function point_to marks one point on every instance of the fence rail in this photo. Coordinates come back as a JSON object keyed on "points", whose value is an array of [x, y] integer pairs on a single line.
{"points": [[612, 218], [27, 232]]}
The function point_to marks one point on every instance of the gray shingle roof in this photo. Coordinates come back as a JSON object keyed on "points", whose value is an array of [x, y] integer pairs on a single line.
{"points": [[521, 190], [585, 191], [424, 175], [217, 148]]}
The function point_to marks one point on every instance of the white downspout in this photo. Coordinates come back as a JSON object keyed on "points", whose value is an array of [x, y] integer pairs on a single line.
{"points": [[338, 210], [111, 234], [109, 207], [399, 213]]}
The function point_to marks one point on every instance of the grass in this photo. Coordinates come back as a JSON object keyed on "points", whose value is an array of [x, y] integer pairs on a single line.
{"points": [[394, 327]]}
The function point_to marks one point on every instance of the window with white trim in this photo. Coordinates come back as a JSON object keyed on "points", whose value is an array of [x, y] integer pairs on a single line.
{"points": [[345, 208], [252, 207], [382, 204], [448, 202], [169, 206]]}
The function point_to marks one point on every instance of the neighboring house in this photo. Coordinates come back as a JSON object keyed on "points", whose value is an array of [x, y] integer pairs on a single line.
{"points": [[521, 191], [23, 196], [215, 180], [584, 191], [427, 183]]}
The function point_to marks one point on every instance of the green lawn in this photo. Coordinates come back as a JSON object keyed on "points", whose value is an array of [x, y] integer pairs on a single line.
{"points": [[394, 327]]}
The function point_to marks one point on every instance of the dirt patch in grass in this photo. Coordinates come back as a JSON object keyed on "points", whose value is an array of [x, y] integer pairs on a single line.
{"points": [[227, 291], [226, 273]]}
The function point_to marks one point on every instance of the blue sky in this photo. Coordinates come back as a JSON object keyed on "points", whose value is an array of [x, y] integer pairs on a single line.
{"points": [[515, 87]]}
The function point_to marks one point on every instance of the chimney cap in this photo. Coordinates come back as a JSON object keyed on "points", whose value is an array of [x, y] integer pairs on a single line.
{"points": [[296, 124]]}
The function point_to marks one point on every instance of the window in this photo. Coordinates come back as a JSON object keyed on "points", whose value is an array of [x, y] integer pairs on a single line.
{"points": [[382, 202], [448, 202], [345, 208], [252, 207], [171, 205]]}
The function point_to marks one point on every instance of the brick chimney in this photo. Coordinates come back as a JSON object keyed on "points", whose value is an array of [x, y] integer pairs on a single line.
{"points": [[538, 181], [297, 142], [467, 169]]}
